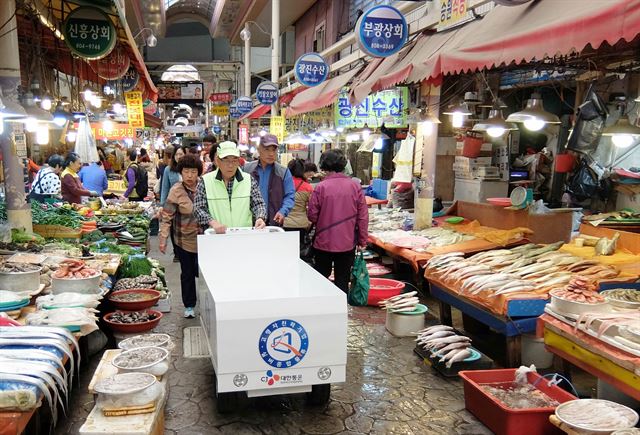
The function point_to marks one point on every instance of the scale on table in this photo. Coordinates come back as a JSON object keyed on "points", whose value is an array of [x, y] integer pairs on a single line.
{"points": [[273, 324]]}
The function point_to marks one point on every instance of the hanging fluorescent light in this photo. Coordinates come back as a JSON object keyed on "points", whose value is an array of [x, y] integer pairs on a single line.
{"points": [[457, 113], [623, 134], [533, 116], [96, 101], [46, 102], [495, 125], [42, 134], [107, 125], [118, 107], [87, 94], [31, 124]]}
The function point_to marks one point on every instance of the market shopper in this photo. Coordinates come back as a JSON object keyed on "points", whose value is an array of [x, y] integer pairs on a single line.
{"points": [[94, 177], [229, 197], [171, 174], [212, 157], [72, 188], [136, 179], [46, 183], [339, 211], [178, 218], [297, 219], [275, 181]]}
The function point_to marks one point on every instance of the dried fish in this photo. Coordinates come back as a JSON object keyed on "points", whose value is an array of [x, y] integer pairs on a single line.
{"points": [[461, 355]]}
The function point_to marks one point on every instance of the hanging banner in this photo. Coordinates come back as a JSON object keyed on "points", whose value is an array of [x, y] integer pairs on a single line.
{"points": [[382, 31], [453, 13], [219, 110], [234, 112], [386, 107], [276, 127], [180, 92], [135, 112], [224, 97], [244, 105], [267, 93], [89, 33], [114, 65], [311, 69], [243, 134], [119, 131]]}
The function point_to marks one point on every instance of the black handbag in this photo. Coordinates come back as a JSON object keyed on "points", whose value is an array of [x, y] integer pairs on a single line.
{"points": [[306, 250]]}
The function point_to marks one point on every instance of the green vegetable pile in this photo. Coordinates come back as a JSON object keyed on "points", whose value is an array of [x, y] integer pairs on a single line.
{"points": [[94, 236], [111, 247], [135, 266], [19, 235], [45, 214]]}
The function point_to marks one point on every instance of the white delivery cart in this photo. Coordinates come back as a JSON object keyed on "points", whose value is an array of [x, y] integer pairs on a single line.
{"points": [[273, 324]]}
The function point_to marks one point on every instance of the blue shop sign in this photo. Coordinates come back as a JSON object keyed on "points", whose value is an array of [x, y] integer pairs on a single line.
{"points": [[311, 69], [244, 105], [267, 93], [217, 129], [234, 112], [382, 31], [128, 81]]}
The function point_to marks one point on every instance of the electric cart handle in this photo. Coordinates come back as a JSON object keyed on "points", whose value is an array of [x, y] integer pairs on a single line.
{"points": [[238, 230]]}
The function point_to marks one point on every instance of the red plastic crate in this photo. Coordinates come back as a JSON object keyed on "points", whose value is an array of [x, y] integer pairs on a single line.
{"points": [[383, 288], [506, 421]]}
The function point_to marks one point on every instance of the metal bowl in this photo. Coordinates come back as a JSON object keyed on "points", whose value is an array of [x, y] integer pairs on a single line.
{"points": [[20, 281], [76, 285]]}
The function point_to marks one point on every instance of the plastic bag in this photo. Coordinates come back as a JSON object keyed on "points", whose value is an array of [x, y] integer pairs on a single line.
{"points": [[538, 207], [359, 291], [591, 118], [521, 374], [585, 182]]}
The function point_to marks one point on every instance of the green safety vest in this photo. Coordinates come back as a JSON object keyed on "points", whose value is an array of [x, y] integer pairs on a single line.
{"points": [[234, 211]]}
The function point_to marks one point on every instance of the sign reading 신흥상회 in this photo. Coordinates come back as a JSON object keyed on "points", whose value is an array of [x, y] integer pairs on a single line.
{"points": [[386, 107], [382, 31], [89, 33], [311, 69], [267, 93], [135, 112], [453, 13]]}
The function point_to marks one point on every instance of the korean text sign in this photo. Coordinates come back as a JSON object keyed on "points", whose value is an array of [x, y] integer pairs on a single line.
{"points": [[277, 127], [311, 69], [382, 31], [134, 109], [267, 93], [386, 107], [452, 12], [89, 33]]}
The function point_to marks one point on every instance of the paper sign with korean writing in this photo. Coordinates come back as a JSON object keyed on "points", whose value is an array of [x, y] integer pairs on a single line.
{"points": [[243, 134], [135, 112], [453, 13], [382, 31], [388, 107], [267, 93], [221, 97], [311, 69], [219, 110], [89, 33], [244, 105], [276, 127], [118, 132]]}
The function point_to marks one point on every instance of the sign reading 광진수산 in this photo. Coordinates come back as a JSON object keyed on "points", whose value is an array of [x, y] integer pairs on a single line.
{"points": [[135, 112], [386, 107]]}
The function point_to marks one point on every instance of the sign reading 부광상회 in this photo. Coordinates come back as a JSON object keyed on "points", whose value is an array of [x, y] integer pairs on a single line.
{"points": [[386, 107], [382, 31], [89, 33]]}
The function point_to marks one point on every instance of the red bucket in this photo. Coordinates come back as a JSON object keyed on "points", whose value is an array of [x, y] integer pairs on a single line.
{"points": [[472, 147], [565, 163], [383, 288]]}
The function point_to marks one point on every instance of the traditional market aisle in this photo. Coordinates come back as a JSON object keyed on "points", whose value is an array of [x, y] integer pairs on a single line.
{"points": [[388, 388]]}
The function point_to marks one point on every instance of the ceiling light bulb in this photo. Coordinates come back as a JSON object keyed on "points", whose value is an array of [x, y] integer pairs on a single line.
{"points": [[495, 131], [46, 103], [379, 144], [457, 120], [60, 121], [339, 129], [245, 34], [152, 41], [1, 125], [622, 140], [71, 136], [534, 124], [42, 134], [426, 128], [107, 125], [30, 124], [365, 134], [96, 101], [87, 94]]}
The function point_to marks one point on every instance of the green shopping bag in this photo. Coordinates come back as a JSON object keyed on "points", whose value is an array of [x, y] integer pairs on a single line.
{"points": [[359, 291]]}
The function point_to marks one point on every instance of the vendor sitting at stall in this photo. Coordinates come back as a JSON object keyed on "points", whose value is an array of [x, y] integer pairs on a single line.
{"points": [[228, 197], [72, 188], [47, 182]]}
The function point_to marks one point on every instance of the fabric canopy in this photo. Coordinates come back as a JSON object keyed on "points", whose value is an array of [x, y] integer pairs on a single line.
{"points": [[257, 112], [321, 95]]}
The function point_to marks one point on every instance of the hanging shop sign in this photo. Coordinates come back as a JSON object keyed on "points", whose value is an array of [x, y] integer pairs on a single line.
{"points": [[382, 31], [453, 13], [243, 134], [267, 93], [244, 105], [234, 112], [114, 65], [184, 129], [386, 107], [224, 97], [222, 110], [180, 92], [89, 33], [149, 107], [119, 131], [127, 82], [311, 69], [277, 127], [135, 112], [217, 129]]}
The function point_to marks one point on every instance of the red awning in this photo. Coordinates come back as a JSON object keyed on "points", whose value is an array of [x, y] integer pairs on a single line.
{"points": [[152, 121], [257, 112], [320, 96], [519, 34]]}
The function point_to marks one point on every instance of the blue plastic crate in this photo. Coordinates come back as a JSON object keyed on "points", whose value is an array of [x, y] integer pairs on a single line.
{"points": [[379, 188]]}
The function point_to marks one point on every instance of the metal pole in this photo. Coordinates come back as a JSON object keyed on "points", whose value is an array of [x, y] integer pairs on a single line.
{"points": [[18, 209], [247, 62], [275, 47]]}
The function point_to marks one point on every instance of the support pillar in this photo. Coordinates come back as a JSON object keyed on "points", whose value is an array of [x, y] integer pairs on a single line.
{"points": [[18, 209], [275, 47], [247, 62]]}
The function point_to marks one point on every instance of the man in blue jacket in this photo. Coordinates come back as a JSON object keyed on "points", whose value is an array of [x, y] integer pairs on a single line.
{"points": [[275, 181], [94, 177]]}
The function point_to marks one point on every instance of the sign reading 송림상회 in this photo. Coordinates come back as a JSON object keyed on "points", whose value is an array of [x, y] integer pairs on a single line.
{"points": [[386, 107], [89, 33], [267, 93], [382, 31], [311, 69]]}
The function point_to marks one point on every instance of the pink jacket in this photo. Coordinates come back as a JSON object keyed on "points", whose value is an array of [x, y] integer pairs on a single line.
{"points": [[337, 207]]}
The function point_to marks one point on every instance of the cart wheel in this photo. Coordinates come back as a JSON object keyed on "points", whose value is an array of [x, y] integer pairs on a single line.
{"points": [[319, 394], [227, 403]]}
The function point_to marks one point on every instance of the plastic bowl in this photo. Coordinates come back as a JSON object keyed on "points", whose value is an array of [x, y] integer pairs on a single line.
{"points": [[133, 328], [134, 305], [383, 288], [502, 202]]}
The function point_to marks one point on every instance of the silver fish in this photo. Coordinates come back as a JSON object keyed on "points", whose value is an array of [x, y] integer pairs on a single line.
{"points": [[440, 342], [452, 346], [460, 356], [437, 334], [434, 328]]}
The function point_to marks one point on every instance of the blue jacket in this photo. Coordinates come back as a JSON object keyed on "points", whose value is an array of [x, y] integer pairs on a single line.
{"points": [[94, 178], [169, 178]]}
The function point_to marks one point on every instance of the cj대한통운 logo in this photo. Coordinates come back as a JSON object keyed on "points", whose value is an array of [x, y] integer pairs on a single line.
{"points": [[283, 343]]}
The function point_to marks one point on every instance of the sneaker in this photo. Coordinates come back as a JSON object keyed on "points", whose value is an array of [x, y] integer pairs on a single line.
{"points": [[176, 259], [189, 313]]}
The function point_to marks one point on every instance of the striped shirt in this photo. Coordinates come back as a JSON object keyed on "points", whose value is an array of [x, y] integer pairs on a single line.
{"points": [[178, 216]]}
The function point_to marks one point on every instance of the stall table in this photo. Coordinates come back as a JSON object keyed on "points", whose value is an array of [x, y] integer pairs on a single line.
{"points": [[371, 201], [606, 362]]}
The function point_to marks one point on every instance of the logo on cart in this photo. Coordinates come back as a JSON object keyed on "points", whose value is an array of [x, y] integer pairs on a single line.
{"points": [[283, 343], [270, 378]]}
